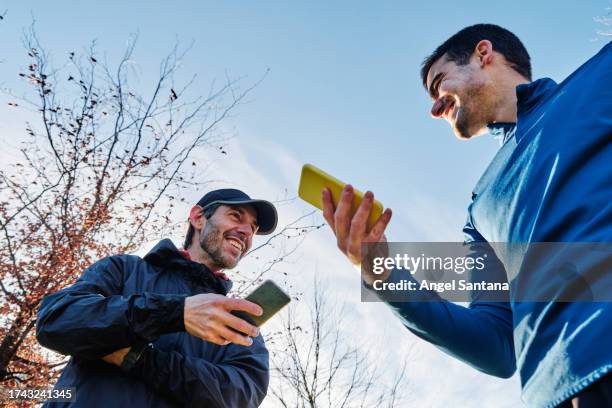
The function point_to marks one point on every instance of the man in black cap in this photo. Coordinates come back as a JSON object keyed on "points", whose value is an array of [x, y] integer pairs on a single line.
{"points": [[158, 331]]}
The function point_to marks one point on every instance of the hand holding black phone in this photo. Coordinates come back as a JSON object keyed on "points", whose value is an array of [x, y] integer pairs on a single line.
{"points": [[269, 297]]}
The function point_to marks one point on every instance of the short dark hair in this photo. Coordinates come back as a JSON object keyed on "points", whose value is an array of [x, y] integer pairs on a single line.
{"points": [[460, 47], [208, 212]]}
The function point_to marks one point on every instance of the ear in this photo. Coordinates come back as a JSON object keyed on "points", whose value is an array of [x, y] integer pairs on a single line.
{"points": [[196, 217], [484, 52]]}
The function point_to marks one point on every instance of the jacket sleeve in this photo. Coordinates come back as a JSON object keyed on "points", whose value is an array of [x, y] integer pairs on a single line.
{"points": [[91, 318], [240, 379], [480, 335]]}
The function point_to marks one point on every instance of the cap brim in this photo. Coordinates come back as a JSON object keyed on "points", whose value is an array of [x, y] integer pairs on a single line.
{"points": [[267, 217]]}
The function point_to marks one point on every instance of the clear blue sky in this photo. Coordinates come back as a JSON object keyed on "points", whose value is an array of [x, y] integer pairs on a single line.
{"points": [[343, 91]]}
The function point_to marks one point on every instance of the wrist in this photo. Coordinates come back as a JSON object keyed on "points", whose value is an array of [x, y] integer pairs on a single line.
{"points": [[116, 357], [369, 277], [133, 356], [187, 311]]}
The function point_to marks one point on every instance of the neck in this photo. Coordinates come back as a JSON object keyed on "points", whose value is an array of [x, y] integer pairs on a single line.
{"points": [[198, 255], [505, 87]]}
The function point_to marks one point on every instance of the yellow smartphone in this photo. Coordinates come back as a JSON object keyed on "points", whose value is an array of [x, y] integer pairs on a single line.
{"points": [[313, 180]]}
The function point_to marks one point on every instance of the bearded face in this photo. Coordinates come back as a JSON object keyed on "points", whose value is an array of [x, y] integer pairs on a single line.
{"points": [[473, 109], [211, 241], [463, 96], [227, 234]]}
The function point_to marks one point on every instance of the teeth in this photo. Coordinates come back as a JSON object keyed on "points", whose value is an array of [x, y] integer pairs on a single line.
{"points": [[235, 244]]}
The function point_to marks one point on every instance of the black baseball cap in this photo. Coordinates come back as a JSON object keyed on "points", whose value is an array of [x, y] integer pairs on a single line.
{"points": [[266, 212]]}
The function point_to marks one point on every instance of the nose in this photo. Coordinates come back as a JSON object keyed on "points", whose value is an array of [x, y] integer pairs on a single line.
{"points": [[245, 230], [437, 110], [246, 234]]}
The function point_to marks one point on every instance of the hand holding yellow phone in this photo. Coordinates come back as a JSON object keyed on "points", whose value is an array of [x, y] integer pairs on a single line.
{"points": [[313, 180]]}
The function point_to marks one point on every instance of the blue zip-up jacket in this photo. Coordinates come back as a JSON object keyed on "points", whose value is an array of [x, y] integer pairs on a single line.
{"points": [[551, 181], [125, 300]]}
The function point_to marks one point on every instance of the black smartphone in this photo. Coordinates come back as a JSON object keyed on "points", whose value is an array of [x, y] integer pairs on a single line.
{"points": [[269, 297]]}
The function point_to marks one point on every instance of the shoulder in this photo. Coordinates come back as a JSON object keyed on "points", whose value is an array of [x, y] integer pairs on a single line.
{"points": [[120, 266], [120, 260]]}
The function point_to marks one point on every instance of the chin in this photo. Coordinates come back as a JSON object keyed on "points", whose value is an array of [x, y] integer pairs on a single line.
{"points": [[466, 132], [230, 263], [462, 135]]}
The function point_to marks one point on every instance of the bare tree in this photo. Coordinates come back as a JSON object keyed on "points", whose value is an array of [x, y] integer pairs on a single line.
{"points": [[98, 159], [605, 21], [315, 365], [274, 251]]}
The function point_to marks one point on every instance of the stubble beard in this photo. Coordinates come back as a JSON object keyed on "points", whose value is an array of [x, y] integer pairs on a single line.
{"points": [[474, 112], [211, 242]]}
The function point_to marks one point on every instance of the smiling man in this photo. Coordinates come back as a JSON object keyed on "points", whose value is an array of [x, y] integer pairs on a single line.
{"points": [[550, 181], [158, 331], [474, 86]]}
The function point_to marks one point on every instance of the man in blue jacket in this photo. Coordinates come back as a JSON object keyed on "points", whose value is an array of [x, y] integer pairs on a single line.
{"points": [[158, 331], [550, 181]]}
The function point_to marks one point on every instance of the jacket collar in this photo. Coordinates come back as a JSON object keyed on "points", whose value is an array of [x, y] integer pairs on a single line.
{"points": [[502, 131], [529, 95], [166, 255]]}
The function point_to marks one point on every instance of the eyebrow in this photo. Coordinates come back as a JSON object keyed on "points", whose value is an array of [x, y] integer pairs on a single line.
{"points": [[432, 91]]}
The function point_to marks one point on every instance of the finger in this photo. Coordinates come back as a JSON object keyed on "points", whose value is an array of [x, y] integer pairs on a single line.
{"points": [[217, 339], [244, 305], [239, 324], [342, 216], [378, 229], [328, 208], [233, 336], [359, 224]]}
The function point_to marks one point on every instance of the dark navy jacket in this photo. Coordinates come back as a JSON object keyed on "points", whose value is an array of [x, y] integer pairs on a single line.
{"points": [[551, 181], [125, 300]]}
